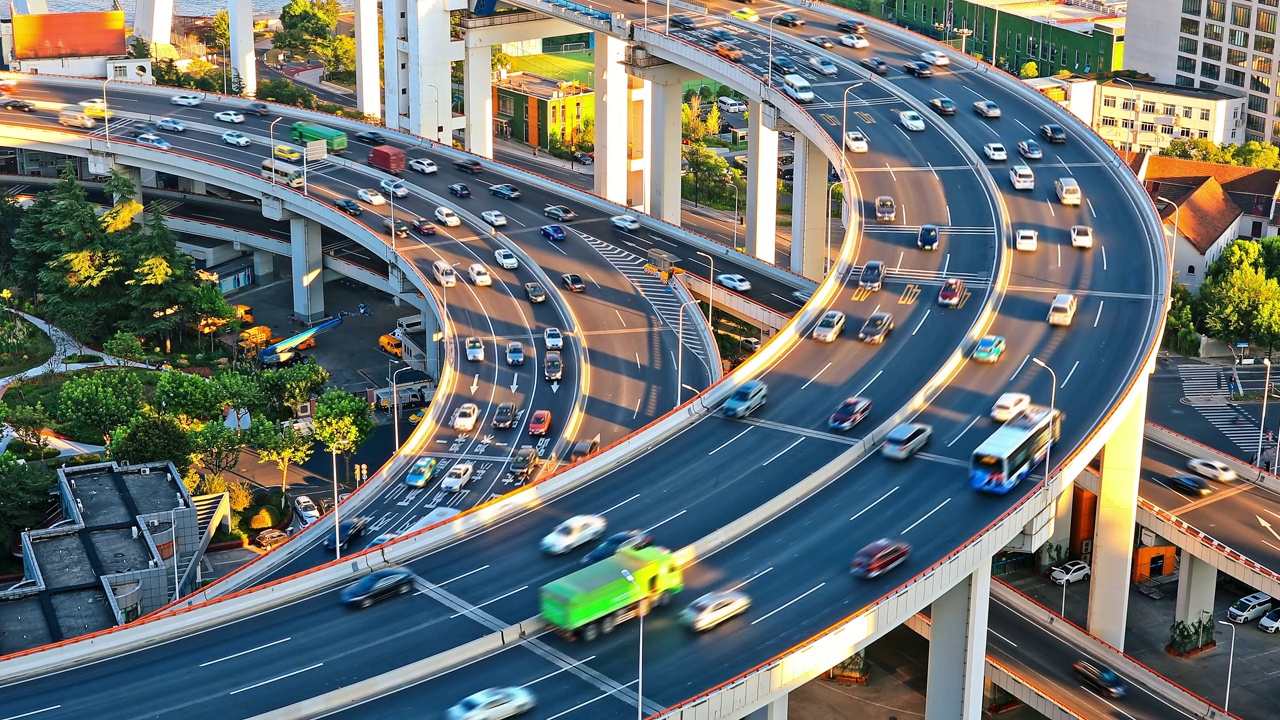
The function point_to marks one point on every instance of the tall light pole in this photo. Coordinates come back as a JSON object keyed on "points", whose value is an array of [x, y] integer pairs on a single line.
{"points": [[768, 67], [733, 184], [995, 37], [337, 527], [106, 113], [644, 600], [271, 152], [844, 115], [1053, 411], [1134, 101], [391, 202], [395, 399], [1231, 657], [1265, 388], [711, 283], [964, 34], [680, 352]]}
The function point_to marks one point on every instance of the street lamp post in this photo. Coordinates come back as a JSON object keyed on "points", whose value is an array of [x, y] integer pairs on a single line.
{"points": [[271, 151], [1133, 100], [1231, 657], [711, 283], [1064, 596], [106, 113], [337, 533], [768, 67], [1053, 405], [736, 195], [395, 399], [640, 662], [964, 34], [1266, 386], [844, 115], [391, 202]]}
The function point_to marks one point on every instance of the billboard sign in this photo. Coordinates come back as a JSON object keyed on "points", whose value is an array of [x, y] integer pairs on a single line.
{"points": [[68, 35]]}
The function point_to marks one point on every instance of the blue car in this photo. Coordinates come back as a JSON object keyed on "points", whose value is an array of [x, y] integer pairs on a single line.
{"points": [[460, 190], [422, 472], [553, 232], [989, 349], [928, 238]]}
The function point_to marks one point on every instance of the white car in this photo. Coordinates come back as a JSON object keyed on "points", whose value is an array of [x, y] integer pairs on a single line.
{"points": [[447, 217], [856, 42], [506, 259], [736, 283], [1215, 470], [1069, 572], [574, 532], [479, 275], [234, 137], [1081, 236], [625, 222], [494, 218], [230, 116], [371, 196], [306, 509], [1026, 239], [823, 66], [93, 102], [1022, 178], [987, 109], [1009, 406], [995, 152], [394, 188], [829, 327], [475, 349], [911, 120], [457, 477], [185, 100], [464, 419], [493, 704], [423, 165], [154, 141], [171, 125], [856, 142], [714, 608], [553, 338], [933, 57]]}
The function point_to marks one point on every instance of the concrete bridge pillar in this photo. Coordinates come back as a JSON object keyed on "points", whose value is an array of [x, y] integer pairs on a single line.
{"points": [[243, 62], [368, 79], [957, 649], [264, 267], [477, 76], [775, 710], [810, 211], [664, 162], [308, 269], [762, 184], [613, 101], [1196, 582]]}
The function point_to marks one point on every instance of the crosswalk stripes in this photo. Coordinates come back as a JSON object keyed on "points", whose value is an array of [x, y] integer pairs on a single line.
{"points": [[1239, 427], [654, 290], [928, 277], [1202, 380]]}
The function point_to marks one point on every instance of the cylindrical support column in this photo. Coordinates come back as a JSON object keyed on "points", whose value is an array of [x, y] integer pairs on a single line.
{"points": [[395, 64], [368, 78], [810, 214], [264, 267], [957, 649], [477, 99], [762, 186], [430, 112], [308, 268], [243, 65], [612, 111], [1196, 582], [1109, 576], [664, 163]]}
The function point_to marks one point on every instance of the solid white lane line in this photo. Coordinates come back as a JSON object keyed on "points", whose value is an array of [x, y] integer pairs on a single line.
{"points": [[33, 712], [784, 452], [1059, 249], [278, 677], [993, 632], [465, 574], [1020, 366], [489, 602], [921, 323], [962, 432], [1113, 707], [730, 441], [1050, 204], [895, 177], [638, 365], [793, 602], [624, 502], [585, 703], [1091, 210], [664, 522], [1104, 257], [1099, 317], [926, 516], [624, 322], [873, 379], [244, 652], [1069, 374], [636, 414], [877, 502], [815, 377], [753, 577], [557, 672]]}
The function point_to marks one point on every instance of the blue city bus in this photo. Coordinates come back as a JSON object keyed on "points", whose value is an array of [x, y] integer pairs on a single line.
{"points": [[1014, 450]]}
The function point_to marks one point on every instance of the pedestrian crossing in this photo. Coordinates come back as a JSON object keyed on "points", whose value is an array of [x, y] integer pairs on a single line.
{"points": [[1200, 380], [1236, 424], [927, 277], [1205, 383], [665, 302]]}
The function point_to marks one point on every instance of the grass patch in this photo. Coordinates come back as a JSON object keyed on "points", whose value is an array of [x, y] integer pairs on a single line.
{"points": [[24, 346], [561, 66]]}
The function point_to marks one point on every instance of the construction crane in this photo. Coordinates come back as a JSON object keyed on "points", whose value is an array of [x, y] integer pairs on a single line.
{"points": [[283, 351]]}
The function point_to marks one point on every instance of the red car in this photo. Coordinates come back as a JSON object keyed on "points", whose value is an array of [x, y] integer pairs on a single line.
{"points": [[849, 413], [540, 423], [879, 558], [951, 293]]}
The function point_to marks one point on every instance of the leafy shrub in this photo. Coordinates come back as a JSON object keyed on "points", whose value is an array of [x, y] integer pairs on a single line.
{"points": [[262, 519], [239, 494]]}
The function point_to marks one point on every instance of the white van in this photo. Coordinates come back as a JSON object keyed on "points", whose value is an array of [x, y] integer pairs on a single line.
{"points": [[1249, 608], [1068, 191], [444, 273], [1022, 178], [411, 323], [729, 105], [797, 88], [1063, 309], [75, 117]]}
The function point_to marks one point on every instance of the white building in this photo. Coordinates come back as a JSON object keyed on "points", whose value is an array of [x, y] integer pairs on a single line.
{"points": [[1225, 45], [1138, 115]]}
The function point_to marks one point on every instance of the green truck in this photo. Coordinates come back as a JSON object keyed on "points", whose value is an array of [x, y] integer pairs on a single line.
{"points": [[593, 600], [334, 140]]}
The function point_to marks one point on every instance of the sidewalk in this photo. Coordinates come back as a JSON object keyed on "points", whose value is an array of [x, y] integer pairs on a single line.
{"points": [[542, 158], [63, 345]]}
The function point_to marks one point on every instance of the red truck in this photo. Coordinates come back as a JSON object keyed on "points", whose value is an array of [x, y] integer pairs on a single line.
{"points": [[387, 159]]}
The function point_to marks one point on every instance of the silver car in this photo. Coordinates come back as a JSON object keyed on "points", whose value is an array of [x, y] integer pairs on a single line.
{"points": [[475, 349], [905, 440], [493, 704], [714, 608]]}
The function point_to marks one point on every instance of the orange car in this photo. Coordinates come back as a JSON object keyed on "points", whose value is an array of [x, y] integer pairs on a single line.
{"points": [[729, 51], [540, 422]]}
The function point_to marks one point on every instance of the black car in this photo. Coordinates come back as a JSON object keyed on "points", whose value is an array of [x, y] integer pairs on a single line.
{"points": [[559, 212], [348, 532], [573, 282], [636, 539], [852, 26], [583, 158], [506, 191], [257, 108], [786, 174], [789, 19], [506, 415], [876, 328], [423, 226], [350, 207], [525, 463], [943, 106], [721, 35], [1101, 677], [683, 21], [535, 293], [368, 137], [20, 105], [1053, 133], [378, 585], [1189, 484], [402, 227], [784, 63], [459, 190], [875, 65], [917, 68], [468, 166], [872, 276], [928, 237], [822, 41]]}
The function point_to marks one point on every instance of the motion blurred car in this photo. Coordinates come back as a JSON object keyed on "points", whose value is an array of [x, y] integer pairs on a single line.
{"points": [[911, 120], [927, 238], [553, 338], [423, 226], [1069, 572], [943, 106], [417, 416], [822, 41], [447, 217], [371, 196], [829, 327], [460, 190], [877, 328], [394, 188], [875, 65], [714, 608], [515, 353], [423, 470], [917, 68], [494, 218], [505, 416], [348, 206], [378, 585], [721, 35], [573, 282], [1054, 133], [368, 137], [995, 152], [737, 283], [552, 232], [507, 191], [401, 228], [20, 105], [625, 222], [741, 13], [540, 422], [879, 558], [383, 539], [230, 116], [506, 259], [475, 349], [784, 64], [934, 57], [952, 292], [457, 477], [170, 125], [185, 100], [348, 532], [855, 141], [154, 141], [905, 440], [257, 108], [423, 165], [636, 539], [823, 66], [232, 137], [467, 165], [989, 349], [987, 109], [788, 19], [1101, 677], [559, 213], [683, 21], [574, 532], [853, 26], [535, 293], [1030, 149], [1009, 405], [286, 153], [1189, 484], [1215, 470], [729, 51], [857, 42], [464, 418], [849, 413], [493, 704]]}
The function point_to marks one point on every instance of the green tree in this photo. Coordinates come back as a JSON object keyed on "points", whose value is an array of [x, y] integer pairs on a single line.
{"points": [[338, 53], [187, 398], [1240, 305], [290, 386], [301, 24], [27, 490], [343, 422], [154, 438], [692, 127], [162, 278], [29, 423], [124, 345], [240, 395], [500, 60], [220, 29], [286, 92], [216, 446], [101, 401], [1029, 70], [239, 495], [283, 446], [1256, 154]]}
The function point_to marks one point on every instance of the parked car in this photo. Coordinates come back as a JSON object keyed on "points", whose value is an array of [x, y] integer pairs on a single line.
{"points": [[269, 539], [1069, 572]]}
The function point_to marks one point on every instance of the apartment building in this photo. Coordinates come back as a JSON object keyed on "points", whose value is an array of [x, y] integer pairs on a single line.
{"points": [[1227, 45], [1138, 115]]}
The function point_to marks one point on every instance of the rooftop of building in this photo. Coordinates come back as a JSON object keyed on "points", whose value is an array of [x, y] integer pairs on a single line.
{"points": [[1077, 15], [544, 88], [1201, 93]]}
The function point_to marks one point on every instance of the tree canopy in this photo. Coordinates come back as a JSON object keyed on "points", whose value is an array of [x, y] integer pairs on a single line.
{"points": [[1251, 154]]}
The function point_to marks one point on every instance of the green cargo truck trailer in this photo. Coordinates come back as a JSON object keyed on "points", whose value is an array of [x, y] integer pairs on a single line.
{"points": [[593, 600], [335, 141]]}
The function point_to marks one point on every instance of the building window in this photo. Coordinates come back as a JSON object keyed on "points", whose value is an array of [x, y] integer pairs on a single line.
{"points": [[1234, 77], [1148, 106], [1211, 52], [506, 105], [1186, 112], [1255, 123], [1260, 83], [1148, 127], [1190, 7], [1237, 58], [1169, 110], [1126, 104], [1262, 65], [1204, 114], [577, 111], [1108, 122], [1109, 101], [1269, 3], [1190, 27], [1184, 132], [1264, 44], [1267, 22], [1166, 129], [1184, 81], [1209, 71], [1213, 32], [1188, 45], [553, 114], [1216, 10], [1191, 269], [1202, 134], [1257, 103], [1240, 15], [1126, 123], [1239, 38]]}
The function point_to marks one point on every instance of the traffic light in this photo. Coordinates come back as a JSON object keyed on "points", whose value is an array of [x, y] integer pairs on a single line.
{"points": [[362, 472]]}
